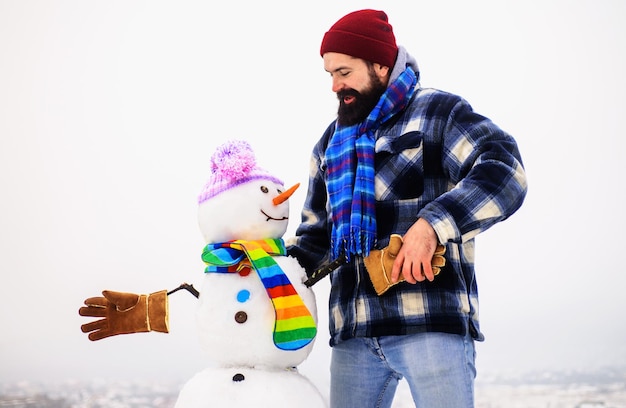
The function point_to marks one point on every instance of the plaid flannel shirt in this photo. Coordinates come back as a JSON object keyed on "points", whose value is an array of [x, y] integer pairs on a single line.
{"points": [[437, 160]]}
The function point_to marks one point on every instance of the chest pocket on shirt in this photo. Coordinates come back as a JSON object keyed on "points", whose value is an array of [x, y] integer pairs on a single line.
{"points": [[409, 173], [400, 168]]}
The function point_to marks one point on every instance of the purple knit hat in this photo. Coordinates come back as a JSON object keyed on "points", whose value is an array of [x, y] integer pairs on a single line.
{"points": [[233, 164]]}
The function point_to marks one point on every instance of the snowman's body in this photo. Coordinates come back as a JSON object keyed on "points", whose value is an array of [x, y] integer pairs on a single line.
{"points": [[236, 333], [235, 315], [262, 388], [235, 318]]}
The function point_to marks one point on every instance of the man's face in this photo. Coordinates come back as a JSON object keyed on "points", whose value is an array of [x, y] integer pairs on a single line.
{"points": [[358, 86]]}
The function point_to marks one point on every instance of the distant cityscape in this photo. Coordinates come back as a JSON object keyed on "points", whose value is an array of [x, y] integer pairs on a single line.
{"points": [[93, 394], [603, 388]]}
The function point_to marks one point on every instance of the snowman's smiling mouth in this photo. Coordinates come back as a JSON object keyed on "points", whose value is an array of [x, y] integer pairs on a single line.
{"points": [[269, 217]]}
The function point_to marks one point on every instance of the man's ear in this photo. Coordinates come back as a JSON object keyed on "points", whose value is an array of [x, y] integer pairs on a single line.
{"points": [[381, 71]]}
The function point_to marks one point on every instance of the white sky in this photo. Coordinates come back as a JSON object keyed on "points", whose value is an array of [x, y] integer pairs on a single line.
{"points": [[109, 112]]}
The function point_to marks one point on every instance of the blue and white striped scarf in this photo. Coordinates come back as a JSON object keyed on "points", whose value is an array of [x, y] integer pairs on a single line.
{"points": [[350, 158]]}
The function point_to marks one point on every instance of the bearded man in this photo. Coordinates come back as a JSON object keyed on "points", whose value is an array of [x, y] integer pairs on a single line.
{"points": [[419, 169]]}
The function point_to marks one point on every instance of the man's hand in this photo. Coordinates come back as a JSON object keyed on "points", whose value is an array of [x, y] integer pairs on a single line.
{"points": [[125, 313], [415, 259], [379, 264]]}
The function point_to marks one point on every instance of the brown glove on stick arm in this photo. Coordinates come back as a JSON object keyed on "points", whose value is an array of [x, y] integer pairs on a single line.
{"points": [[379, 263], [125, 313]]}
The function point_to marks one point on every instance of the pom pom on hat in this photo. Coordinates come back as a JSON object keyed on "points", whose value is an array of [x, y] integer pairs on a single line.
{"points": [[364, 34], [233, 164]]}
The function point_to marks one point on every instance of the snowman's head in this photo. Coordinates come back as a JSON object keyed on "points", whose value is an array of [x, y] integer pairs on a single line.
{"points": [[241, 200]]}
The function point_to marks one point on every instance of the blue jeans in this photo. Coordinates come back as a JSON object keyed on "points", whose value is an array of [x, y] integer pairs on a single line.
{"points": [[438, 367]]}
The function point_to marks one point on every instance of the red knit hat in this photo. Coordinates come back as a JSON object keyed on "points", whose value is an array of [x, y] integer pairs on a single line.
{"points": [[364, 34]]}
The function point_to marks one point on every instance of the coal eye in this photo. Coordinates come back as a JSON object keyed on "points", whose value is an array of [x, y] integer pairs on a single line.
{"points": [[264, 189], [279, 191]]}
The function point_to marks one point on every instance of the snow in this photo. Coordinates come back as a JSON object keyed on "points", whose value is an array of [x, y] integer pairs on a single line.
{"points": [[597, 390]]}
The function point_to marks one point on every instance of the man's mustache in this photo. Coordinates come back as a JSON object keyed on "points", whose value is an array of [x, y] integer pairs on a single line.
{"points": [[348, 92]]}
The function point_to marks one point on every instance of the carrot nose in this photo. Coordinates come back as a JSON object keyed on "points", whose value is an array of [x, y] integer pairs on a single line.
{"points": [[282, 197]]}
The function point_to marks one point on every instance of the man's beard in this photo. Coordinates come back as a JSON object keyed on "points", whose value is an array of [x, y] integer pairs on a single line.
{"points": [[363, 103]]}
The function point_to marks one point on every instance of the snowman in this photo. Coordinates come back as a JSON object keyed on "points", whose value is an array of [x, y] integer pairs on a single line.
{"points": [[256, 318]]}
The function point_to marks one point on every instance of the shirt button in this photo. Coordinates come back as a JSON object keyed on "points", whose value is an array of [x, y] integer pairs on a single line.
{"points": [[241, 317], [243, 296]]}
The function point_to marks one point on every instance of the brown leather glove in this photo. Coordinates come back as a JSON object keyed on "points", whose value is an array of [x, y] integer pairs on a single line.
{"points": [[125, 313], [379, 263]]}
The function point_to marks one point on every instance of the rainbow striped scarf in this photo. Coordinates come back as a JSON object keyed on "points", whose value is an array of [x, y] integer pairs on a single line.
{"points": [[294, 326]]}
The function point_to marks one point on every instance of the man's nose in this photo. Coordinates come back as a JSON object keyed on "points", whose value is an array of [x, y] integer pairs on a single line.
{"points": [[338, 85]]}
